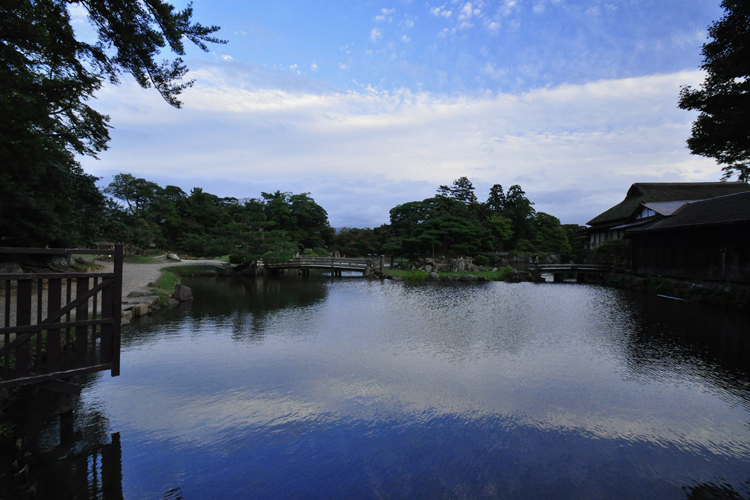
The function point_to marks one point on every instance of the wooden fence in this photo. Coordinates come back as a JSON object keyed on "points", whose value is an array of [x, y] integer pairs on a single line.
{"points": [[57, 325]]}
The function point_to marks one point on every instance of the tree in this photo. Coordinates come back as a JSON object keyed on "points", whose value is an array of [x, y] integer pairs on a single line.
{"points": [[443, 225], [47, 79], [496, 199], [520, 211], [550, 236], [721, 130], [462, 190]]}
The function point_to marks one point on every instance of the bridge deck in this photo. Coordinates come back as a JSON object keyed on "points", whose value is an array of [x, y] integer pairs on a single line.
{"points": [[329, 263], [573, 268]]}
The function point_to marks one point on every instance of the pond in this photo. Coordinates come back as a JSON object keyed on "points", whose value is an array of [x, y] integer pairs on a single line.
{"points": [[349, 388]]}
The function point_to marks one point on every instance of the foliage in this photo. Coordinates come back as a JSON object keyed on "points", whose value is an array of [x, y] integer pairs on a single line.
{"points": [[578, 251], [462, 190], [275, 227], [615, 252], [721, 129], [454, 223], [499, 275], [48, 77], [359, 242], [440, 225], [550, 235], [481, 260]]}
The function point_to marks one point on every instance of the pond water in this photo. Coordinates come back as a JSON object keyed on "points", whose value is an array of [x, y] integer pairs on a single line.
{"points": [[349, 388]]}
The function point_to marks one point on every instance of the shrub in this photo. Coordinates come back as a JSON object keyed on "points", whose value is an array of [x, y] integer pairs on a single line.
{"points": [[481, 260]]}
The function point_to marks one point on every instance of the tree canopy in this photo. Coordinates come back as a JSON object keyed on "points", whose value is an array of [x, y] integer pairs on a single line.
{"points": [[47, 80], [274, 226], [721, 130], [454, 223]]}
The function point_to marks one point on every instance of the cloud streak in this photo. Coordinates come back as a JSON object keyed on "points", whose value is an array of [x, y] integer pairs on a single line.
{"points": [[574, 149]]}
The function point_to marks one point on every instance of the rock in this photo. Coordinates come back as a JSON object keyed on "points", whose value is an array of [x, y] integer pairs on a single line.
{"points": [[148, 300], [433, 276], [174, 257], [459, 265], [10, 268], [182, 292], [139, 310], [60, 263], [447, 278]]}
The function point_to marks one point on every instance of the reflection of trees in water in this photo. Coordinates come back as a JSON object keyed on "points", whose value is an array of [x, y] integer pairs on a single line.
{"points": [[255, 301], [260, 295], [241, 305]]}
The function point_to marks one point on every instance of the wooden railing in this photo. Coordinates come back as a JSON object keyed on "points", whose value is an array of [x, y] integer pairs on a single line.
{"points": [[333, 263], [57, 325]]}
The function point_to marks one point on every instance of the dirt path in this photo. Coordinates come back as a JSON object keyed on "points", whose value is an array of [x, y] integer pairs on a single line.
{"points": [[136, 277]]}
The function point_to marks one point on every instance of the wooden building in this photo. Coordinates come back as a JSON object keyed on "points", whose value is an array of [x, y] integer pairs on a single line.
{"points": [[700, 240], [646, 199]]}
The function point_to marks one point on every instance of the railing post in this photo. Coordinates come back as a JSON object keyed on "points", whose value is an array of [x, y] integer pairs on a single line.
{"points": [[117, 311]]}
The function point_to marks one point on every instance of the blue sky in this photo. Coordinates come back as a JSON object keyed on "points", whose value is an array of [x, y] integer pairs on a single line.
{"points": [[366, 105]]}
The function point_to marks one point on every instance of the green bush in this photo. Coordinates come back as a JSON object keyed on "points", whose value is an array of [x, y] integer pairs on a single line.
{"points": [[481, 260]]}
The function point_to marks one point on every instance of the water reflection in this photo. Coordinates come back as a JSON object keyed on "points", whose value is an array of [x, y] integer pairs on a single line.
{"points": [[360, 389]]}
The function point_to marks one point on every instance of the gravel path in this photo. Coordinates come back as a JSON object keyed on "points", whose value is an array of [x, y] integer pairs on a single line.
{"points": [[136, 277]]}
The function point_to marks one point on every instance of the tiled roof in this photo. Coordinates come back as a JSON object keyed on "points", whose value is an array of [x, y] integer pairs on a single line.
{"points": [[665, 191], [727, 209]]}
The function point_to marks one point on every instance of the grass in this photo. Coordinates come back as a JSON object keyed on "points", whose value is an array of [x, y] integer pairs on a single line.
{"points": [[165, 286], [499, 275], [171, 275]]}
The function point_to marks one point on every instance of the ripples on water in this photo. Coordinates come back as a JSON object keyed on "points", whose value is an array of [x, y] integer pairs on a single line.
{"points": [[359, 389]]}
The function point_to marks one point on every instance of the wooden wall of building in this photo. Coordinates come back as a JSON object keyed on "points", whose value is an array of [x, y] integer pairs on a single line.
{"points": [[714, 253]]}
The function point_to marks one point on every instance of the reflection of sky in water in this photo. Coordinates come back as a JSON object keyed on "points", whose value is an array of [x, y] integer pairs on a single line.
{"points": [[422, 376]]}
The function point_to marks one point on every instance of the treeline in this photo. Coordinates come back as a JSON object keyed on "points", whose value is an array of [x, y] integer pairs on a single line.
{"points": [[275, 226], [279, 225], [455, 223]]}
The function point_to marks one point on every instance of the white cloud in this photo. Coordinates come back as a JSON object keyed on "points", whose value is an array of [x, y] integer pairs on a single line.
{"points": [[405, 39], [441, 12], [385, 15], [375, 35], [595, 138]]}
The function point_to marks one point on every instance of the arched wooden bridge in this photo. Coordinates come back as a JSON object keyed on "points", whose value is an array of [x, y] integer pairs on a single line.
{"points": [[336, 265]]}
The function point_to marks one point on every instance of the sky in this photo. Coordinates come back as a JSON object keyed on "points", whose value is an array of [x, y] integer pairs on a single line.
{"points": [[370, 104]]}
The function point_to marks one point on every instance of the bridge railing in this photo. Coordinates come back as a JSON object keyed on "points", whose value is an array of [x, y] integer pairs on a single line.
{"points": [[346, 263], [572, 268]]}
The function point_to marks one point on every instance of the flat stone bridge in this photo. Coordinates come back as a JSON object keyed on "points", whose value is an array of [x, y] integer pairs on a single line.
{"points": [[365, 265], [578, 271]]}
